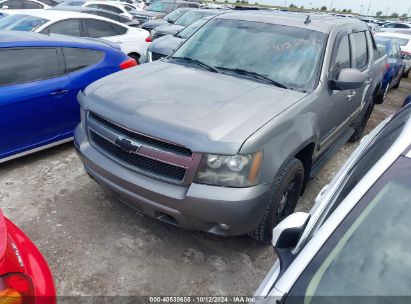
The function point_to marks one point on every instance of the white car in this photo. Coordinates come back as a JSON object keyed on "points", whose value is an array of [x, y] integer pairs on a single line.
{"points": [[131, 40], [404, 41], [393, 26], [353, 246], [24, 4], [118, 7]]}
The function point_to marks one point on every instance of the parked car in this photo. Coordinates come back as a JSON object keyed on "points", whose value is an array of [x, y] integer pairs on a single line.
{"points": [[115, 7], [169, 18], [166, 45], [101, 13], [184, 21], [392, 26], [351, 247], [40, 77], [130, 39], [25, 4], [404, 42], [395, 67], [71, 3], [25, 276], [161, 8], [213, 140]]}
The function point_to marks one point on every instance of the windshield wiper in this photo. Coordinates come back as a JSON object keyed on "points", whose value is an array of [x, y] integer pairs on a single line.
{"points": [[199, 63], [255, 75]]}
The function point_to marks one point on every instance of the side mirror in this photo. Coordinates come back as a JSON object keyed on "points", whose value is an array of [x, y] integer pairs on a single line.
{"points": [[349, 79], [286, 236], [171, 21]]}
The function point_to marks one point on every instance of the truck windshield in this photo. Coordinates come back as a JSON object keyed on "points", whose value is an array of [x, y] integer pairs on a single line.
{"points": [[286, 55], [21, 22], [192, 16], [191, 29]]}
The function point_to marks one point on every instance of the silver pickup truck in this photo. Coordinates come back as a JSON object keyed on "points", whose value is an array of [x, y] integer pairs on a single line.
{"points": [[224, 135]]}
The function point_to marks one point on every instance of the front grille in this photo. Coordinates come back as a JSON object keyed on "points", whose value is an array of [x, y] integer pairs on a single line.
{"points": [[140, 163], [158, 35], [142, 139], [141, 19], [156, 56]]}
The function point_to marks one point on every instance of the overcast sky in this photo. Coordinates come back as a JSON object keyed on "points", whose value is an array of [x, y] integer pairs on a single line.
{"points": [[398, 6]]}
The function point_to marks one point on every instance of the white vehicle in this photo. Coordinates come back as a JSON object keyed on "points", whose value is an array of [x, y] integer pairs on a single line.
{"points": [[24, 4], [393, 26], [404, 41], [118, 7], [131, 40], [353, 246]]}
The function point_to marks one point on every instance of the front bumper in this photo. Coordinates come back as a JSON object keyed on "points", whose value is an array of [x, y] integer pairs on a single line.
{"points": [[196, 207]]}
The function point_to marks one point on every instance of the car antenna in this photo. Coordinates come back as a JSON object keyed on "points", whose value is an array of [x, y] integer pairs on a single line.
{"points": [[307, 20]]}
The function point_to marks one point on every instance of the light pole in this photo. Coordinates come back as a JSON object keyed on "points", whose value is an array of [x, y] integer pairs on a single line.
{"points": [[331, 6], [386, 14], [369, 6]]}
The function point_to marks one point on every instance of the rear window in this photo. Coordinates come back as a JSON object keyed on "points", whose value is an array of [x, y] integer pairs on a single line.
{"points": [[25, 65], [77, 59], [400, 41], [20, 22]]}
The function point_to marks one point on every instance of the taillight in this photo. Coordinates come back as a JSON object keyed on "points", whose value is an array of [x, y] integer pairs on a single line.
{"points": [[149, 39], [387, 66], [129, 63], [406, 55], [16, 288]]}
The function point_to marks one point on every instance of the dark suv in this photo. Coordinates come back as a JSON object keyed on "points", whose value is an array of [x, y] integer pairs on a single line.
{"points": [[160, 9]]}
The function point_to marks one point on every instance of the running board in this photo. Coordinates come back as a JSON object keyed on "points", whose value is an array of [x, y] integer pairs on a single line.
{"points": [[327, 155]]}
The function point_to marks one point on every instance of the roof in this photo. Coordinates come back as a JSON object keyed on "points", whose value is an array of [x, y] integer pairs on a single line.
{"points": [[321, 23], [55, 15], [17, 38]]}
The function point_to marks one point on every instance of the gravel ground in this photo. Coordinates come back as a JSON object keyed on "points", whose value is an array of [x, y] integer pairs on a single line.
{"points": [[98, 246]]}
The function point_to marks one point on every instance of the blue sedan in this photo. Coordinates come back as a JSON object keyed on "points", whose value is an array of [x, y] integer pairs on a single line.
{"points": [[395, 66], [40, 77]]}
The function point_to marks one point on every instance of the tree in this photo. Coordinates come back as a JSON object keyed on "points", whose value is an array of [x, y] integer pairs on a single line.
{"points": [[404, 15], [302, 7], [323, 8], [379, 14], [334, 10], [292, 5], [344, 11], [349, 11], [394, 15]]}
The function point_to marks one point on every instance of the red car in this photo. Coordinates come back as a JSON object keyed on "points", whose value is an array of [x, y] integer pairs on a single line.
{"points": [[25, 277]]}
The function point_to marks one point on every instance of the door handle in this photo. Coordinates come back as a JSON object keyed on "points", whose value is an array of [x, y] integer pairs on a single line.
{"points": [[59, 92], [351, 96]]}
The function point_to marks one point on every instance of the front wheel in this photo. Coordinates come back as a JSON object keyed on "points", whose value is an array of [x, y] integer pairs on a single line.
{"points": [[286, 190]]}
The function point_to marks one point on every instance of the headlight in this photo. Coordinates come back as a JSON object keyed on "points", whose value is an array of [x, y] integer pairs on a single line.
{"points": [[242, 170]]}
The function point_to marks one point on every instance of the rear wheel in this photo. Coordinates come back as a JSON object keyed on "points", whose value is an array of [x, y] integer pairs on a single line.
{"points": [[397, 85], [135, 56], [379, 99], [405, 75], [287, 188]]}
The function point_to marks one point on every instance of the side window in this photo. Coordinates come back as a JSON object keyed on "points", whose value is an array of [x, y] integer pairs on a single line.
{"points": [[110, 8], [98, 28], [77, 59], [32, 5], [29, 64], [375, 50], [360, 56], [394, 52], [68, 27], [342, 58], [12, 4]]}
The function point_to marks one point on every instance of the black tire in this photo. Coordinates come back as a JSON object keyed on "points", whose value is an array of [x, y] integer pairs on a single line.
{"points": [[287, 188], [361, 123], [405, 75], [136, 57], [397, 85], [380, 97]]}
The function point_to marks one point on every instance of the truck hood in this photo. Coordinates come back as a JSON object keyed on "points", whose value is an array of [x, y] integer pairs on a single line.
{"points": [[148, 14], [165, 45], [169, 29], [202, 110]]}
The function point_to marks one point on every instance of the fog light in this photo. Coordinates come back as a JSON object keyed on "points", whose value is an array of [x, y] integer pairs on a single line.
{"points": [[224, 227]]}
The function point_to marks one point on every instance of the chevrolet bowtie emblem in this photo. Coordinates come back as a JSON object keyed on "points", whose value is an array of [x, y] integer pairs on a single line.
{"points": [[127, 145]]}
